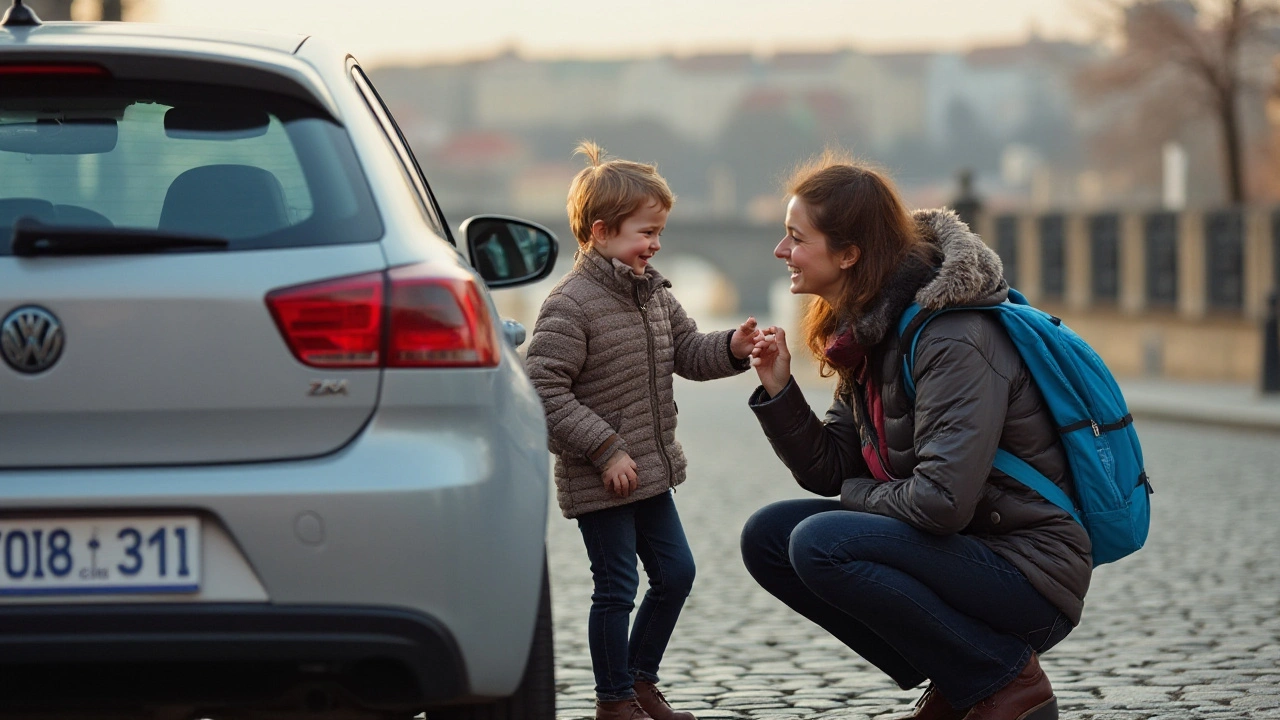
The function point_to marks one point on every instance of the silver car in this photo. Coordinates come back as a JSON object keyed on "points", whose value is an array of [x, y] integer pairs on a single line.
{"points": [[266, 447]]}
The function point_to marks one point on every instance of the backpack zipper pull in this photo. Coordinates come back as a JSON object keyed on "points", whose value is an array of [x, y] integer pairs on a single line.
{"points": [[1096, 431]]}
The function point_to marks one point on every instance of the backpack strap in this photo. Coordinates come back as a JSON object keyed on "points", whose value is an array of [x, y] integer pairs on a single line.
{"points": [[907, 316], [1018, 469], [909, 329], [909, 326]]}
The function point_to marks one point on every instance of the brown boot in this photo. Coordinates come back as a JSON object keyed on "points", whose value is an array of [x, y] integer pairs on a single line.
{"points": [[932, 706], [1028, 697], [651, 700], [628, 709]]}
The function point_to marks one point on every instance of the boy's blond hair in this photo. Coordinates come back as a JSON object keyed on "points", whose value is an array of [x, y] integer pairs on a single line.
{"points": [[610, 191]]}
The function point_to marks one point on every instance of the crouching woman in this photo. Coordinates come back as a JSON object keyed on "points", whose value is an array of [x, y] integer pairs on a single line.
{"points": [[931, 565]]}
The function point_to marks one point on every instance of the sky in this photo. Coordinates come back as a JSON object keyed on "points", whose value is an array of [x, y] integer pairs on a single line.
{"points": [[398, 31]]}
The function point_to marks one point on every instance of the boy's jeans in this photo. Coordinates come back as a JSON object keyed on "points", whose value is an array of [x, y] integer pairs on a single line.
{"points": [[915, 605], [614, 537]]}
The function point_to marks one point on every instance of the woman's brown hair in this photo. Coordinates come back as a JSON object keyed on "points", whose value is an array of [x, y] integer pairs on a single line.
{"points": [[854, 205]]}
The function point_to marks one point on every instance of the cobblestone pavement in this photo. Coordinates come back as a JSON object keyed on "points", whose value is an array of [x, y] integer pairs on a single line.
{"points": [[1189, 627]]}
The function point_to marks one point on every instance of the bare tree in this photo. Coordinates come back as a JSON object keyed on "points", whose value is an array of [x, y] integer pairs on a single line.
{"points": [[1180, 59]]}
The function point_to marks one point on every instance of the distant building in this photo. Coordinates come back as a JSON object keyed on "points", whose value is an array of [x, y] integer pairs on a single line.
{"points": [[695, 96], [48, 10], [510, 92], [924, 114], [482, 150], [540, 191]]}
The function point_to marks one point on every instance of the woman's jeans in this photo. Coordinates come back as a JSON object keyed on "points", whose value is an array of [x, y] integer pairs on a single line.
{"points": [[915, 605], [614, 537]]}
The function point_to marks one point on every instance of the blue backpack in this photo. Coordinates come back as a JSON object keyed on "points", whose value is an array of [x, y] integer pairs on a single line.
{"points": [[1097, 430]]}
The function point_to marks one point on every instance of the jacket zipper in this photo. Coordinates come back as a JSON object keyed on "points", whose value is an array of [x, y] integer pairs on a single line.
{"points": [[653, 389]]}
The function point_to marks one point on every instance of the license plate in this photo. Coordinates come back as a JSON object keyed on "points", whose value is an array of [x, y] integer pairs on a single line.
{"points": [[92, 556]]}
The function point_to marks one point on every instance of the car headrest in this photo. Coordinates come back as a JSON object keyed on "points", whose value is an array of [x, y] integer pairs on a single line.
{"points": [[13, 208], [226, 201], [76, 216]]}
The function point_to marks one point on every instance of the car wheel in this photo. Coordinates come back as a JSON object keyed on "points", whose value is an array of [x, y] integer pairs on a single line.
{"points": [[535, 698]]}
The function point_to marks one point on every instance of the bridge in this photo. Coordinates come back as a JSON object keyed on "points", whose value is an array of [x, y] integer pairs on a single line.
{"points": [[740, 251]]}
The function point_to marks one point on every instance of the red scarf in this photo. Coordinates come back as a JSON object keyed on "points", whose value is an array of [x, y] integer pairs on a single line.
{"points": [[846, 354]]}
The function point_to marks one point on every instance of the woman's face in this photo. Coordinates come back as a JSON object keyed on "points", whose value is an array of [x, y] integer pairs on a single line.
{"points": [[815, 270]]}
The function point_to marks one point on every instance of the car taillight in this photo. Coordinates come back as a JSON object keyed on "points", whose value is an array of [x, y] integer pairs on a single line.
{"points": [[438, 319], [335, 323], [433, 316]]}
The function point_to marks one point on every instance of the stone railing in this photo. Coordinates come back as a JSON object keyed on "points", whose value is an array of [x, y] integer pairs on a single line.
{"points": [[1179, 295], [1194, 264]]}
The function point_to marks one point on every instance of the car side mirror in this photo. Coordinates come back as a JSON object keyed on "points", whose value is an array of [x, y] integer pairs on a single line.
{"points": [[508, 251]]}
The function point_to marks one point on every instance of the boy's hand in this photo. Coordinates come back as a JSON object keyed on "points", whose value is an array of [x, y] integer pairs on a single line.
{"points": [[619, 474], [771, 359], [744, 339]]}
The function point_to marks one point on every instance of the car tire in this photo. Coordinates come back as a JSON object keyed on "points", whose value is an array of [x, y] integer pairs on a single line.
{"points": [[535, 697]]}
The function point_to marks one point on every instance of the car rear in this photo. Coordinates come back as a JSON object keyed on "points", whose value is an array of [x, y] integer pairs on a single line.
{"points": [[261, 442]]}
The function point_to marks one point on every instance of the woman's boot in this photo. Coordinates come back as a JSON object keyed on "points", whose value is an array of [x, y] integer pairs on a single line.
{"points": [[1028, 697], [932, 706]]}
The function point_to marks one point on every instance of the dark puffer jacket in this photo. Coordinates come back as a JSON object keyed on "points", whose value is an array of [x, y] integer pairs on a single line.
{"points": [[974, 395]]}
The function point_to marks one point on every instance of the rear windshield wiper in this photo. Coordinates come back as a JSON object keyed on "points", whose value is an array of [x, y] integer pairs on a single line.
{"points": [[32, 238]]}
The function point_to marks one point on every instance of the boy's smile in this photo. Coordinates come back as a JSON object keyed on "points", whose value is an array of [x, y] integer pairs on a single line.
{"points": [[637, 239]]}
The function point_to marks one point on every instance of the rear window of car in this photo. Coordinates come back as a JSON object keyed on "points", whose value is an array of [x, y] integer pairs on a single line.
{"points": [[256, 169]]}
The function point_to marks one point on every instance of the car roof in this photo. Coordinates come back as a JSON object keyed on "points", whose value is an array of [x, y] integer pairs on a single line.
{"points": [[219, 55], [144, 36]]}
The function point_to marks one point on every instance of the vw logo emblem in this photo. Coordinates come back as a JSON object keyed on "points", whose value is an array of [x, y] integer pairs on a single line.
{"points": [[31, 339]]}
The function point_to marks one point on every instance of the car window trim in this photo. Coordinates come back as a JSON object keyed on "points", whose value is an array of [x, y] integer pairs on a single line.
{"points": [[401, 146]]}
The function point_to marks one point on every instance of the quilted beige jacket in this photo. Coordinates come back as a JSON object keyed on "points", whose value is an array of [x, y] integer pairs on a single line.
{"points": [[602, 354]]}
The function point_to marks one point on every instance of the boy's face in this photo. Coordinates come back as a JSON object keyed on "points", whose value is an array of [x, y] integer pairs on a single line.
{"points": [[637, 239]]}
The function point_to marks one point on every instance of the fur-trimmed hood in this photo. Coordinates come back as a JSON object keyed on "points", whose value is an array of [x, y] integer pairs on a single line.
{"points": [[969, 273]]}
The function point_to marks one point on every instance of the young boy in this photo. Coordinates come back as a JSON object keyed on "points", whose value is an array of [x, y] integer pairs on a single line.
{"points": [[603, 350]]}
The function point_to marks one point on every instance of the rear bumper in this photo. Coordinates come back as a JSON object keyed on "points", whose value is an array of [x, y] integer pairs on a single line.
{"points": [[95, 655], [438, 507]]}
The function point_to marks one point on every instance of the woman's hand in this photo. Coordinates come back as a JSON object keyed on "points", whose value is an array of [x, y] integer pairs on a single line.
{"points": [[619, 474], [771, 359]]}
